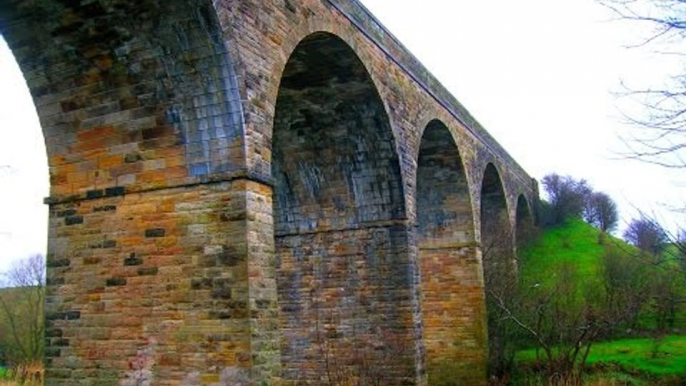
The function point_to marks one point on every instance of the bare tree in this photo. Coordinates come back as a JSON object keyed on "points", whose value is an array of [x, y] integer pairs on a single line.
{"points": [[648, 236], [21, 307], [600, 210], [501, 284], [556, 319], [662, 253], [680, 245], [551, 316], [660, 126], [627, 284], [566, 197], [658, 137]]}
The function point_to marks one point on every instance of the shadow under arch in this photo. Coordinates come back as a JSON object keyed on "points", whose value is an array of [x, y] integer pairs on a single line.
{"points": [[452, 302], [339, 221], [524, 222], [498, 263], [495, 223]]}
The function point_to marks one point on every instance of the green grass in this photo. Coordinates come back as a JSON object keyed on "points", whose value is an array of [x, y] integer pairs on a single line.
{"points": [[577, 245], [645, 355], [581, 247], [3, 372], [575, 242], [636, 355]]}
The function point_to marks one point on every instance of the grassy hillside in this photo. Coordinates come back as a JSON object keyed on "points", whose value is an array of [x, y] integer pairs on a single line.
{"points": [[580, 249], [575, 244], [578, 244], [574, 250]]}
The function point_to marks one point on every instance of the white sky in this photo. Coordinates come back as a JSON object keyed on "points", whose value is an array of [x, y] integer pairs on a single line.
{"points": [[538, 75], [24, 184]]}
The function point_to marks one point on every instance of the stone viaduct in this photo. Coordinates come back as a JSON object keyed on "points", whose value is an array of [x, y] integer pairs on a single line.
{"points": [[257, 192]]}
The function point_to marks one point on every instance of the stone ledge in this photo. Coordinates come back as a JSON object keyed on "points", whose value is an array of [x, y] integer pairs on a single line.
{"points": [[173, 184]]}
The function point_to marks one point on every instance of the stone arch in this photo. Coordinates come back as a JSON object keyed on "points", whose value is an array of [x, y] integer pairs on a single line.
{"points": [[495, 223], [314, 25], [497, 254], [524, 221], [137, 97], [452, 293], [339, 218], [143, 123]]}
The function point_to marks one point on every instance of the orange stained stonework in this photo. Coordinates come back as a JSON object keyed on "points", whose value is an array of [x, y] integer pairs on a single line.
{"points": [[253, 192]]}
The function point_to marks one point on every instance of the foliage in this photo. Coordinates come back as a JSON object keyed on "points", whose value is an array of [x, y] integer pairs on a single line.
{"points": [[557, 311], [664, 255], [627, 286], [21, 312], [30, 374], [645, 293], [569, 198], [579, 286]]}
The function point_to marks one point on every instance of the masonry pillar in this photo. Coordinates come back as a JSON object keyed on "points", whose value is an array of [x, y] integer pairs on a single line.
{"points": [[452, 289], [150, 287], [263, 303], [158, 263]]}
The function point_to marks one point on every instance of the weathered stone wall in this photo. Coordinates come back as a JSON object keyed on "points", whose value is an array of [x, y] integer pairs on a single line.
{"points": [[451, 285], [412, 99], [341, 242], [180, 144], [149, 286]]}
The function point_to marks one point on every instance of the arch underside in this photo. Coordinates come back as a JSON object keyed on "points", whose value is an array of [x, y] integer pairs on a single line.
{"points": [[498, 262], [137, 95], [138, 103], [496, 235], [340, 239], [451, 286], [524, 222], [143, 120]]}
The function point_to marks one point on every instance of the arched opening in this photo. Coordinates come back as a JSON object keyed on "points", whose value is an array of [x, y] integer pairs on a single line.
{"points": [[137, 101], [452, 292], [524, 223], [340, 239], [495, 225], [23, 168], [499, 265]]}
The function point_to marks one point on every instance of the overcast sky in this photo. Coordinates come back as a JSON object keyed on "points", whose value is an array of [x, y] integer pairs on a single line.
{"points": [[23, 168], [541, 76], [538, 75]]}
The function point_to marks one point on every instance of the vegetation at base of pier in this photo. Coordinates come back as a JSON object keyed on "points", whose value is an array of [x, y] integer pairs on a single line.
{"points": [[30, 374], [586, 308]]}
